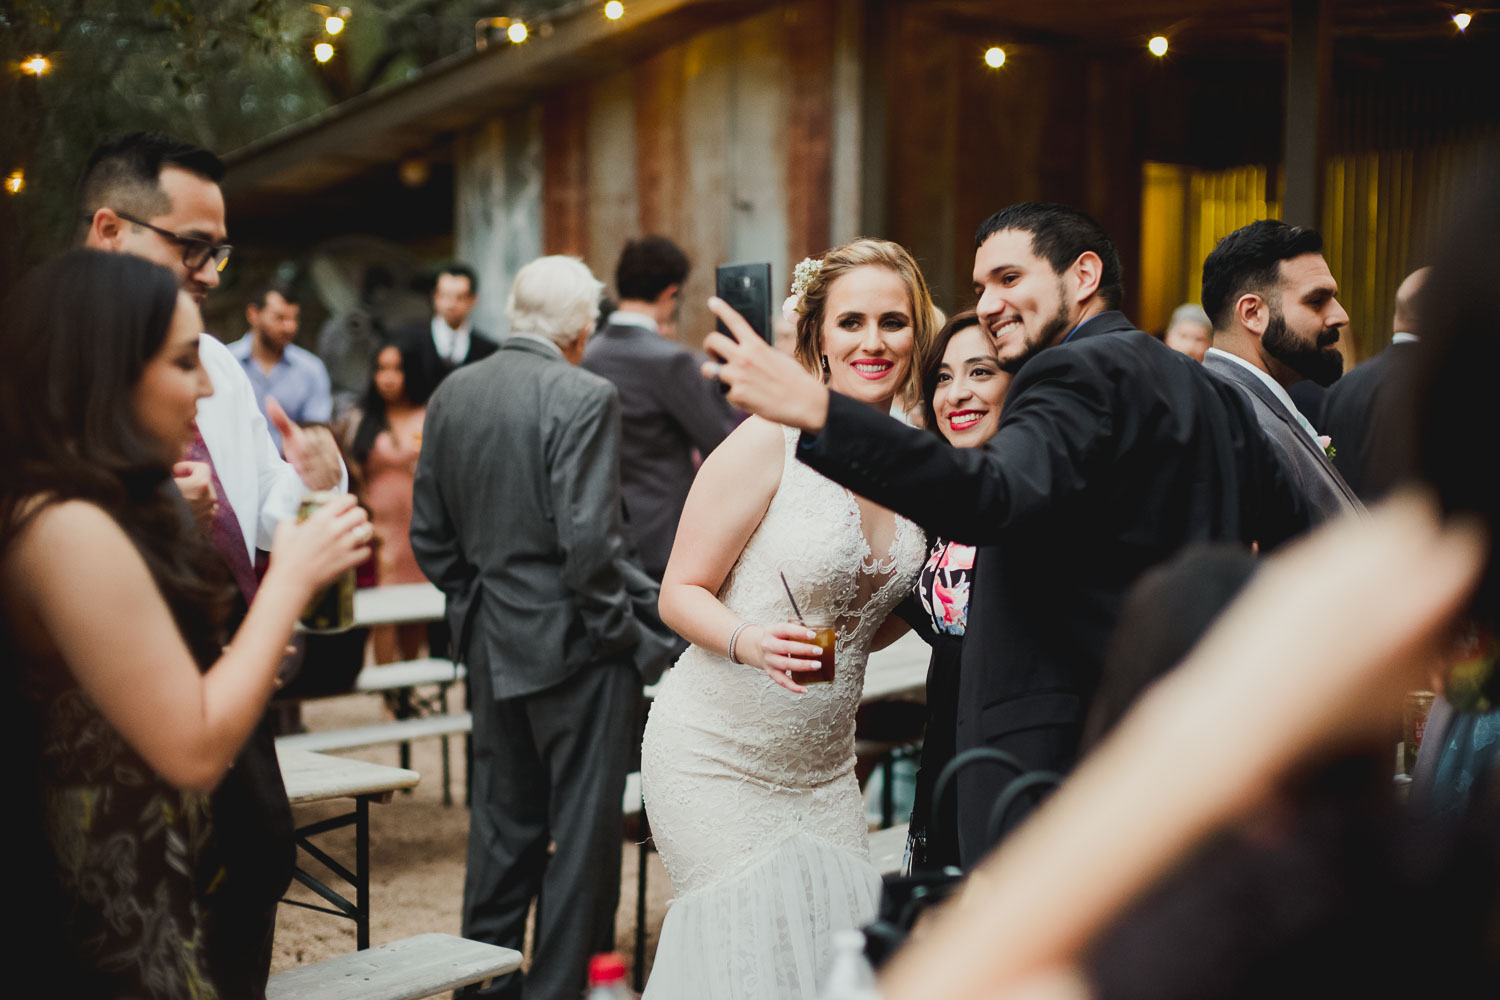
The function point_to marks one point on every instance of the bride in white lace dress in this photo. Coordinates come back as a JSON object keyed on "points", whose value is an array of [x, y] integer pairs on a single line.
{"points": [[749, 774]]}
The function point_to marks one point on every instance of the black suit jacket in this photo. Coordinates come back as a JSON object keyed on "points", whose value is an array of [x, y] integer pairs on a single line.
{"points": [[435, 367], [1113, 453], [1366, 418], [667, 410], [1307, 464]]}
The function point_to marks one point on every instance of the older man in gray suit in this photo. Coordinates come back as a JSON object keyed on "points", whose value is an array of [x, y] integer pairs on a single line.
{"points": [[1276, 316], [516, 517], [668, 408]]}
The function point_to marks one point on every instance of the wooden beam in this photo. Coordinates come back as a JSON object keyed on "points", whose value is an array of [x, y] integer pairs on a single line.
{"points": [[1308, 78]]}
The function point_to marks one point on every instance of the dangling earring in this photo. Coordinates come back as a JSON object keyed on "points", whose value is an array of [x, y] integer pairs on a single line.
{"points": [[826, 373]]}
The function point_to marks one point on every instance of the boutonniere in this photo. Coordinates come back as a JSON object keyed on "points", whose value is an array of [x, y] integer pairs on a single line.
{"points": [[1328, 448]]}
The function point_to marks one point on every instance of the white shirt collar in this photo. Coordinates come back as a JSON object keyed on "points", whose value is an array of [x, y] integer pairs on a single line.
{"points": [[552, 345], [1276, 390], [452, 345], [1403, 338], [620, 318]]}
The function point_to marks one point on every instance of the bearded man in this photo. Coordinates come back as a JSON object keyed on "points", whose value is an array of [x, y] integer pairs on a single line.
{"points": [[1276, 316]]}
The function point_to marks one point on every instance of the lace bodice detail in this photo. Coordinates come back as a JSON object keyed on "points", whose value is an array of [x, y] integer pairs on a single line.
{"points": [[812, 532]]}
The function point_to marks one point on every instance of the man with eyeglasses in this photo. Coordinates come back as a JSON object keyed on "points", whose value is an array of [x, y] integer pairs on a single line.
{"points": [[159, 198]]}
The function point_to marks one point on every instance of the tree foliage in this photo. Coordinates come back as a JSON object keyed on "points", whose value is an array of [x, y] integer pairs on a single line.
{"points": [[222, 73]]}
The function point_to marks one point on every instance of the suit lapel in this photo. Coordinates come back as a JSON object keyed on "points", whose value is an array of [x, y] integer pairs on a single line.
{"points": [[1237, 374]]}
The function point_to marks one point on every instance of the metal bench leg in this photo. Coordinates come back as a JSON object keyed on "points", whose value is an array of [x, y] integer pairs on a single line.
{"points": [[362, 873], [887, 790], [447, 776]]}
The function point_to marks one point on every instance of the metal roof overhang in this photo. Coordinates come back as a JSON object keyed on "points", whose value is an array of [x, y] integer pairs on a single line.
{"points": [[407, 119]]}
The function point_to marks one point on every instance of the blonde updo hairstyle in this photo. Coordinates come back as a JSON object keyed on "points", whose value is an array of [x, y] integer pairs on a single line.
{"points": [[865, 252]]}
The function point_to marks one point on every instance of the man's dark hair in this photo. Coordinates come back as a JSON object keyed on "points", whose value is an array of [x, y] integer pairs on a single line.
{"points": [[458, 270], [648, 266], [124, 173], [1249, 260], [1060, 235], [283, 288]]}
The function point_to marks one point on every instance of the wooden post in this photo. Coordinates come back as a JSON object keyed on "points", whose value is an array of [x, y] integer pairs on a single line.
{"points": [[1308, 76]]}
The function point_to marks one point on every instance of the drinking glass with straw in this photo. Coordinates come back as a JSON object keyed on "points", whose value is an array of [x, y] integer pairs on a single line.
{"points": [[825, 636]]}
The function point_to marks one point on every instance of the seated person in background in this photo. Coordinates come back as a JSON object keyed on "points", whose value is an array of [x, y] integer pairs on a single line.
{"points": [[127, 710]]}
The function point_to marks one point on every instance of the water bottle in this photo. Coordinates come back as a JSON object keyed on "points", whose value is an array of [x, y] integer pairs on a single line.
{"points": [[607, 978], [850, 976]]}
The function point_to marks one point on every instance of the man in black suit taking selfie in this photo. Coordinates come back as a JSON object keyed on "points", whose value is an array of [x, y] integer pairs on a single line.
{"points": [[1113, 453]]}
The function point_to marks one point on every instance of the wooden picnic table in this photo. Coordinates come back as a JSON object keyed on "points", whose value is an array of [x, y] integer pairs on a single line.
{"points": [[315, 777]]}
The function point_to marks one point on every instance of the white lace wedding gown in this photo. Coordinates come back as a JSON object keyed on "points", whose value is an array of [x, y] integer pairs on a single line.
{"points": [[750, 788]]}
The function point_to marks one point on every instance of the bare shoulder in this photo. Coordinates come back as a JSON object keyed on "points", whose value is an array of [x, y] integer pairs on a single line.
{"points": [[755, 443], [64, 538]]}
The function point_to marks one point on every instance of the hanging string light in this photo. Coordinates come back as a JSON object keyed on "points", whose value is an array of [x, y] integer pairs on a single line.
{"points": [[36, 65], [322, 52], [994, 57], [516, 32], [1158, 46], [614, 10], [1463, 19], [15, 182]]}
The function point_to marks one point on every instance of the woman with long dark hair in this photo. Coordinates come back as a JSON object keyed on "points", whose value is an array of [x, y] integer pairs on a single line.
{"points": [[387, 441], [127, 708]]}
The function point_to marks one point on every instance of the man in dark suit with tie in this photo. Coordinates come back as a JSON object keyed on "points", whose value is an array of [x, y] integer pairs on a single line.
{"points": [[516, 518], [1113, 453], [449, 341], [668, 411], [1363, 411], [1276, 315]]}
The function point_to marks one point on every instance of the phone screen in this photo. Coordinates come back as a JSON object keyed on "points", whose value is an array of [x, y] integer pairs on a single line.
{"points": [[747, 289]]}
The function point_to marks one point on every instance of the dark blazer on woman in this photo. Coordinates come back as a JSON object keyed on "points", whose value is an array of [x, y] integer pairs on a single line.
{"points": [[1113, 452]]}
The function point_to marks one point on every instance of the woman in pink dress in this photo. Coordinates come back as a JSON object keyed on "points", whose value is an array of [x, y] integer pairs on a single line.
{"points": [[386, 445]]}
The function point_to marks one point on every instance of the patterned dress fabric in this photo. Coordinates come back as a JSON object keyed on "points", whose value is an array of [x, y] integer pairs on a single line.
{"points": [[125, 849], [750, 788], [943, 587]]}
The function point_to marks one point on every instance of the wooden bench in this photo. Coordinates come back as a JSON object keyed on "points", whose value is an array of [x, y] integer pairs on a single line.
{"points": [[409, 969], [385, 734], [408, 674]]}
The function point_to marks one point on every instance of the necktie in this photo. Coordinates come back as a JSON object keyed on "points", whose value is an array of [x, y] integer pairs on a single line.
{"points": [[227, 536]]}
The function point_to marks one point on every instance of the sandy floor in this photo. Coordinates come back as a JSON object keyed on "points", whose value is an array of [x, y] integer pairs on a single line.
{"points": [[417, 857]]}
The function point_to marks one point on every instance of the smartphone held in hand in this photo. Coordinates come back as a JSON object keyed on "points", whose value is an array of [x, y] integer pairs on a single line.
{"points": [[746, 288]]}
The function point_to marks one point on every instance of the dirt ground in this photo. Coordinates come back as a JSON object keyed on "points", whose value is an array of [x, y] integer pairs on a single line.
{"points": [[417, 857]]}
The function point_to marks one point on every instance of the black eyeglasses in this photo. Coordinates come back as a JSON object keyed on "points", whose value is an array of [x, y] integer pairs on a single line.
{"points": [[195, 252]]}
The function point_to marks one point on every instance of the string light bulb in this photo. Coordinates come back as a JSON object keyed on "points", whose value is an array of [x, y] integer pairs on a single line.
{"points": [[322, 52], [334, 24], [1158, 46], [994, 57], [614, 10], [36, 65], [516, 32], [15, 182], [1462, 19]]}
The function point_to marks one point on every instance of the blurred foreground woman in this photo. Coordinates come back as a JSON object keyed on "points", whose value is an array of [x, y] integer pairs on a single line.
{"points": [[126, 710]]}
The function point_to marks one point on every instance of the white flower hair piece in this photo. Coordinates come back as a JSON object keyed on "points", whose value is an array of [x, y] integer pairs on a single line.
{"points": [[802, 276]]}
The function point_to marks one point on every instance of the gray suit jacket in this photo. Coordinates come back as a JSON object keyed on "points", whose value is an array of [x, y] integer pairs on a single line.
{"points": [[516, 518], [1306, 463], [668, 409]]}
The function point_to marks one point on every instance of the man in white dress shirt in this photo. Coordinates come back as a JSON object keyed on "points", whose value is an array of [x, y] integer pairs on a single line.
{"points": [[159, 198], [1276, 315]]}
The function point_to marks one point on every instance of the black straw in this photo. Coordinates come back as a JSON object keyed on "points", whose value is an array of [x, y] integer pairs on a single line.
{"points": [[789, 597]]}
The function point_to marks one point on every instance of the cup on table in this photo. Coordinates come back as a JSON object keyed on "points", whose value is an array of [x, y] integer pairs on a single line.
{"points": [[826, 638]]}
